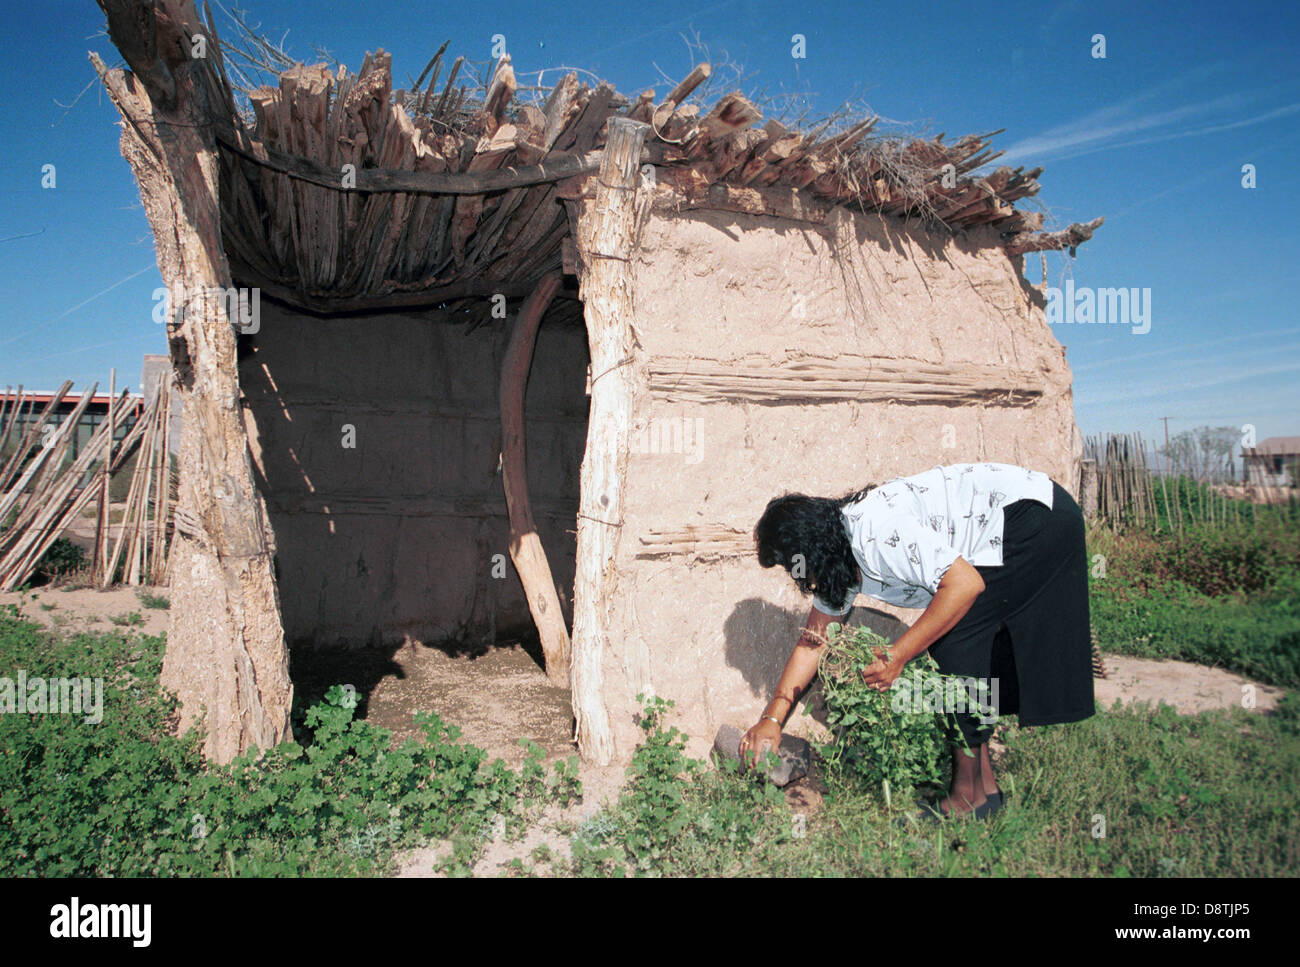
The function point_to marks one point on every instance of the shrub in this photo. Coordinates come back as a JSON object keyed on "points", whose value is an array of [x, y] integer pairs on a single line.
{"points": [[1228, 596], [1250, 637], [62, 557]]}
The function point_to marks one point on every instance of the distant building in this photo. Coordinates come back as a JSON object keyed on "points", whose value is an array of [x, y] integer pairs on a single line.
{"points": [[1272, 463], [154, 368]]}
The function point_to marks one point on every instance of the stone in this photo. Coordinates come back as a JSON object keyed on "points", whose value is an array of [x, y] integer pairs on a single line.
{"points": [[794, 753]]}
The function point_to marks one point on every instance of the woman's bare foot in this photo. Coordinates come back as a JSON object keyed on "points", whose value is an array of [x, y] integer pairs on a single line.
{"points": [[968, 789]]}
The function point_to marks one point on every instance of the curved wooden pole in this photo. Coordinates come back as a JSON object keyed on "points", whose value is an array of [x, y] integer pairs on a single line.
{"points": [[525, 546]]}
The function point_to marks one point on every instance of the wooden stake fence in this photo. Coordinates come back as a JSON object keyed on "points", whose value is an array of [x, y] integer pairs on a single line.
{"points": [[46, 497]]}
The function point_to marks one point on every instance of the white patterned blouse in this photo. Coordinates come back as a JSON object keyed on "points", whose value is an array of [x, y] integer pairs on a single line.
{"points": [[906, 533]]}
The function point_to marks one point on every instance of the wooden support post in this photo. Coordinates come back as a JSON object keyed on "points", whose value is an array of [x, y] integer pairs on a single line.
{"points": [[606, 237], [225, 639], [525, 546]]}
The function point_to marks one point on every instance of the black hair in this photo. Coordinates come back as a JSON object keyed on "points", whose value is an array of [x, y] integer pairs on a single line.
{"points": [[796, 529]]}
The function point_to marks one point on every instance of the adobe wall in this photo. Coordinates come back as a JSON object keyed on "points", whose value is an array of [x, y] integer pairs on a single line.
{"points": [[394, 539], [768, 326]]}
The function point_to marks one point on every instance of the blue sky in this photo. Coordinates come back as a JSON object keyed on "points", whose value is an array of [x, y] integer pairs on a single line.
{"points": [[1153, 136]]}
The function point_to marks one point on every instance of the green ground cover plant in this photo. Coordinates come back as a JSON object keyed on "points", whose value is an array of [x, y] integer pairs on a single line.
{"points": [[1134, 791], [1129, 792], [126, 797]]}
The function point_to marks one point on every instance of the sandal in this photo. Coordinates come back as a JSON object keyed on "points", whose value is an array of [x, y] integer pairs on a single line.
{"points": [[990, 806]]}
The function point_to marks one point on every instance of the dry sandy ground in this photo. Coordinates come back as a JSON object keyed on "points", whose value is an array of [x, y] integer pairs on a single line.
{"points": [[1187, 687], [500, 694], [87, 609]]}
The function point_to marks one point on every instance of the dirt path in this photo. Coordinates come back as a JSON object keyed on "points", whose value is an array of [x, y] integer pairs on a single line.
{"points": [[1187, 687]]}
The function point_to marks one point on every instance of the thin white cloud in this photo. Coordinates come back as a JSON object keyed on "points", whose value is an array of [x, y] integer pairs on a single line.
{"points": [[1178, 135], [1174, 389], [86, 301], [1105, 124], [1133, 358]]}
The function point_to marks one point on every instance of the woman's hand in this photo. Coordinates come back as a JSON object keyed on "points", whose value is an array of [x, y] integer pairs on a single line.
{"points": [[766, 734], [882, 672]]}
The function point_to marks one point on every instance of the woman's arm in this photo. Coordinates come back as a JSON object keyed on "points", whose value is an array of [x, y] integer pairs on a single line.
{"points": [[957, 591], [799, 671]]}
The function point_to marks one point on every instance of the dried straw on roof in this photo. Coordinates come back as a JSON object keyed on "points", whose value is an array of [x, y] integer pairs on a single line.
{"points": [[449, 198]]}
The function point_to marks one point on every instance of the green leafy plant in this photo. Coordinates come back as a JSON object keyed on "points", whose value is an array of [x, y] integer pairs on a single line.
{"points": [[676, 815], [896, 739], [127, 797]]}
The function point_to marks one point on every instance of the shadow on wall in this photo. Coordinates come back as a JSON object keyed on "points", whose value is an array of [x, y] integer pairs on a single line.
{"points": [[760, 637], [379, 462]]}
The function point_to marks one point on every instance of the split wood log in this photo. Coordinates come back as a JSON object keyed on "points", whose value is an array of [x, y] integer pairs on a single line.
{"points": [[553, 168], [161, 512], [44, 467], [846, 377], [678, 94], [46, 513], [700, 542], [501, 92], [606, 232], [525, 546], [1069, 238], [60, 510], [129, 509], [225, 642], [732, 113]]}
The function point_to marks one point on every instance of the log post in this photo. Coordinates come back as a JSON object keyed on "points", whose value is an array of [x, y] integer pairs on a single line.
{"points": [[525, 546], [225, 642], [605, 233]]}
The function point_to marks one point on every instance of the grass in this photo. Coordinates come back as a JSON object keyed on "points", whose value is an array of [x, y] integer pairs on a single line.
{"points": [[1132, 791], [1224, 595], [154, 601]]}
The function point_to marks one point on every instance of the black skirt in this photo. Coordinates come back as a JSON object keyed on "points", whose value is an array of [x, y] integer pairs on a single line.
{"points": [[1026, 639]]}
